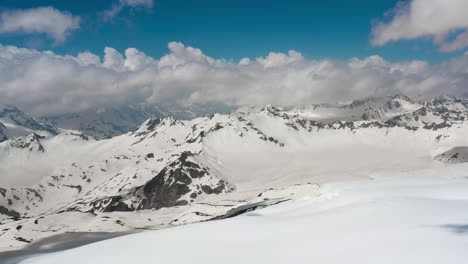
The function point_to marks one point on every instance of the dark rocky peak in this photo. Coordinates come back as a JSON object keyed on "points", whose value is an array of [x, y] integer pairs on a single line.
{"points": [[147, 127], [178, 183], [198, 132], [152, 124], [169, 121], [271, 110], [448, 108], [446, 102], [31, 142], [275, 111]]}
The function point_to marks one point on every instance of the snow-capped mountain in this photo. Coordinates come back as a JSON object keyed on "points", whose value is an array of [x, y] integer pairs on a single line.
{"points": [[381, 109], [397, 110], [105, 123], [14, 123], [110, 122], [170, 172]]}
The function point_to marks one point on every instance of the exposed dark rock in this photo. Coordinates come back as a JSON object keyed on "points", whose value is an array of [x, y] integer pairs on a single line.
{"points": [[77, 187], [455, 155], [81, 135], [166, 189], [36, 194], [8, 212], [109, 204], [248, 208], [435, 126], [23, 240], [217, 190], [31, 142]]}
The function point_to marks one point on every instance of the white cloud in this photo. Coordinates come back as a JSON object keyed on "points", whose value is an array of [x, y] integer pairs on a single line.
{"points": [[87, 58], [42, 20], [438, 19], [186, 76], [121, 4], [113, 60]]}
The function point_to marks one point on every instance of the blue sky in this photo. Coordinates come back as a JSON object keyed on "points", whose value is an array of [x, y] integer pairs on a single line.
{"points": [[336, 29]]}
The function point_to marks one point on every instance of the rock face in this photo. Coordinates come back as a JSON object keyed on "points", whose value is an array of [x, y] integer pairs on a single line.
{"points": [[3, 135], [455, 155], [182, 178], [177, 184], [31, 142]]}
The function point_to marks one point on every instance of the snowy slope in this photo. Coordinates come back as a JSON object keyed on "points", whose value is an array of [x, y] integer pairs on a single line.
{"points": [[170, 172], [400, 220]]}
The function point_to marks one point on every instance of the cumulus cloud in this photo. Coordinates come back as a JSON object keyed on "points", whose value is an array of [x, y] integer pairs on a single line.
{"points": [[438, 19], [186, 77], [121, 4], [42, 20]]}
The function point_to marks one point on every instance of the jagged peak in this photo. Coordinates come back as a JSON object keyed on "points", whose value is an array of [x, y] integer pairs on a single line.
{"points": [[154, 123], [443, 99], [149, 125], [272, 110], [402, 97], [169, 121], [447, 102], [31, 142]]}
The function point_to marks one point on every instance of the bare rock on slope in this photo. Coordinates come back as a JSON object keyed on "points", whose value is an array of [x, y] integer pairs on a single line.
{"points": [[454, 155]]}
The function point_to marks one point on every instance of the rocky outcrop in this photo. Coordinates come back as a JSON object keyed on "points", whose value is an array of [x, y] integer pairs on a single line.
{"points": [[178, 184], [3, 136], [455, 155], [31, 142]]}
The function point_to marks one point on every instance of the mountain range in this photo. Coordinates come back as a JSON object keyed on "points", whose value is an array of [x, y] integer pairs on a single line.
{"points": [[169, 172]]}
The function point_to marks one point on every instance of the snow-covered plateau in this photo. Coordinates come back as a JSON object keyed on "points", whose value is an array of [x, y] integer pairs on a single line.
{"points": [[380, 180], [418, 220]]}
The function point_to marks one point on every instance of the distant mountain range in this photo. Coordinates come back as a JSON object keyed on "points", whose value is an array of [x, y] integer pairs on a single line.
{"points": [[15, 123], [110, 122]]}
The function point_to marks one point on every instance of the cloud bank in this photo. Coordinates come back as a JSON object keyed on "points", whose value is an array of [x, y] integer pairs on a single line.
{"points": [[44, 83], [42, 20], [438, 19]]}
